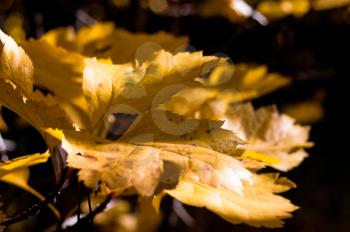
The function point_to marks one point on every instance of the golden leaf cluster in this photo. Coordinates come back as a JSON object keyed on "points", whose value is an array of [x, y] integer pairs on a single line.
{"points": [[138, 115]]}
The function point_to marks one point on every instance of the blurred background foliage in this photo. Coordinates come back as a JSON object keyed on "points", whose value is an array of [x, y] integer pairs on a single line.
{"points": [[307, 40]]}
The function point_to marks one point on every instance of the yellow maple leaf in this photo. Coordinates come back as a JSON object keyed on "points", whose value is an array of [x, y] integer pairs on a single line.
{"points": [[257, 206], [227, 84], [103, 40], [274, 136]]}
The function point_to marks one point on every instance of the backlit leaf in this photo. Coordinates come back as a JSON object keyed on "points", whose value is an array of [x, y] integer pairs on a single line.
{"points": [[15, 66], [227, 84], [257, 206], [103, 40], [270, 133]]}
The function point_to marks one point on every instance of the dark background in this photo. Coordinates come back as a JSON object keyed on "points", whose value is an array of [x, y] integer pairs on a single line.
{"points": [[314, 50]]}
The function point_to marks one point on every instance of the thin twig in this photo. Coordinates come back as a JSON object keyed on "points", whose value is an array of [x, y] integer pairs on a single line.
{"points": [[85, 221], [90, 209]]}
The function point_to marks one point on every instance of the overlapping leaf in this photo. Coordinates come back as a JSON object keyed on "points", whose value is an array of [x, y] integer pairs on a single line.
{"points": [[269, 133], [60, 73], [114, 167], [103, 40], [141, 86], [257, 206], [226, 85], [16, 84]]}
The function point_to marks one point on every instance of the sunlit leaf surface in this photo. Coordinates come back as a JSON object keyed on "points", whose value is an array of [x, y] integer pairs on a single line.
{"points": [[136, 115]]}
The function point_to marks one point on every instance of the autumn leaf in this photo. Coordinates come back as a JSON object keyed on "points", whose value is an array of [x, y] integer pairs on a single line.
{"points": [[257, 206], [117, 166], [38, 113], [160, 126], [22, 162], [15, 66], [41, 113], [226, 85], [60, 72], [103, 40], [107, 167], [98, 87], [16, 86], [120, 165], [163, 74], [16, 172], [99, 159], [272, 135]]}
